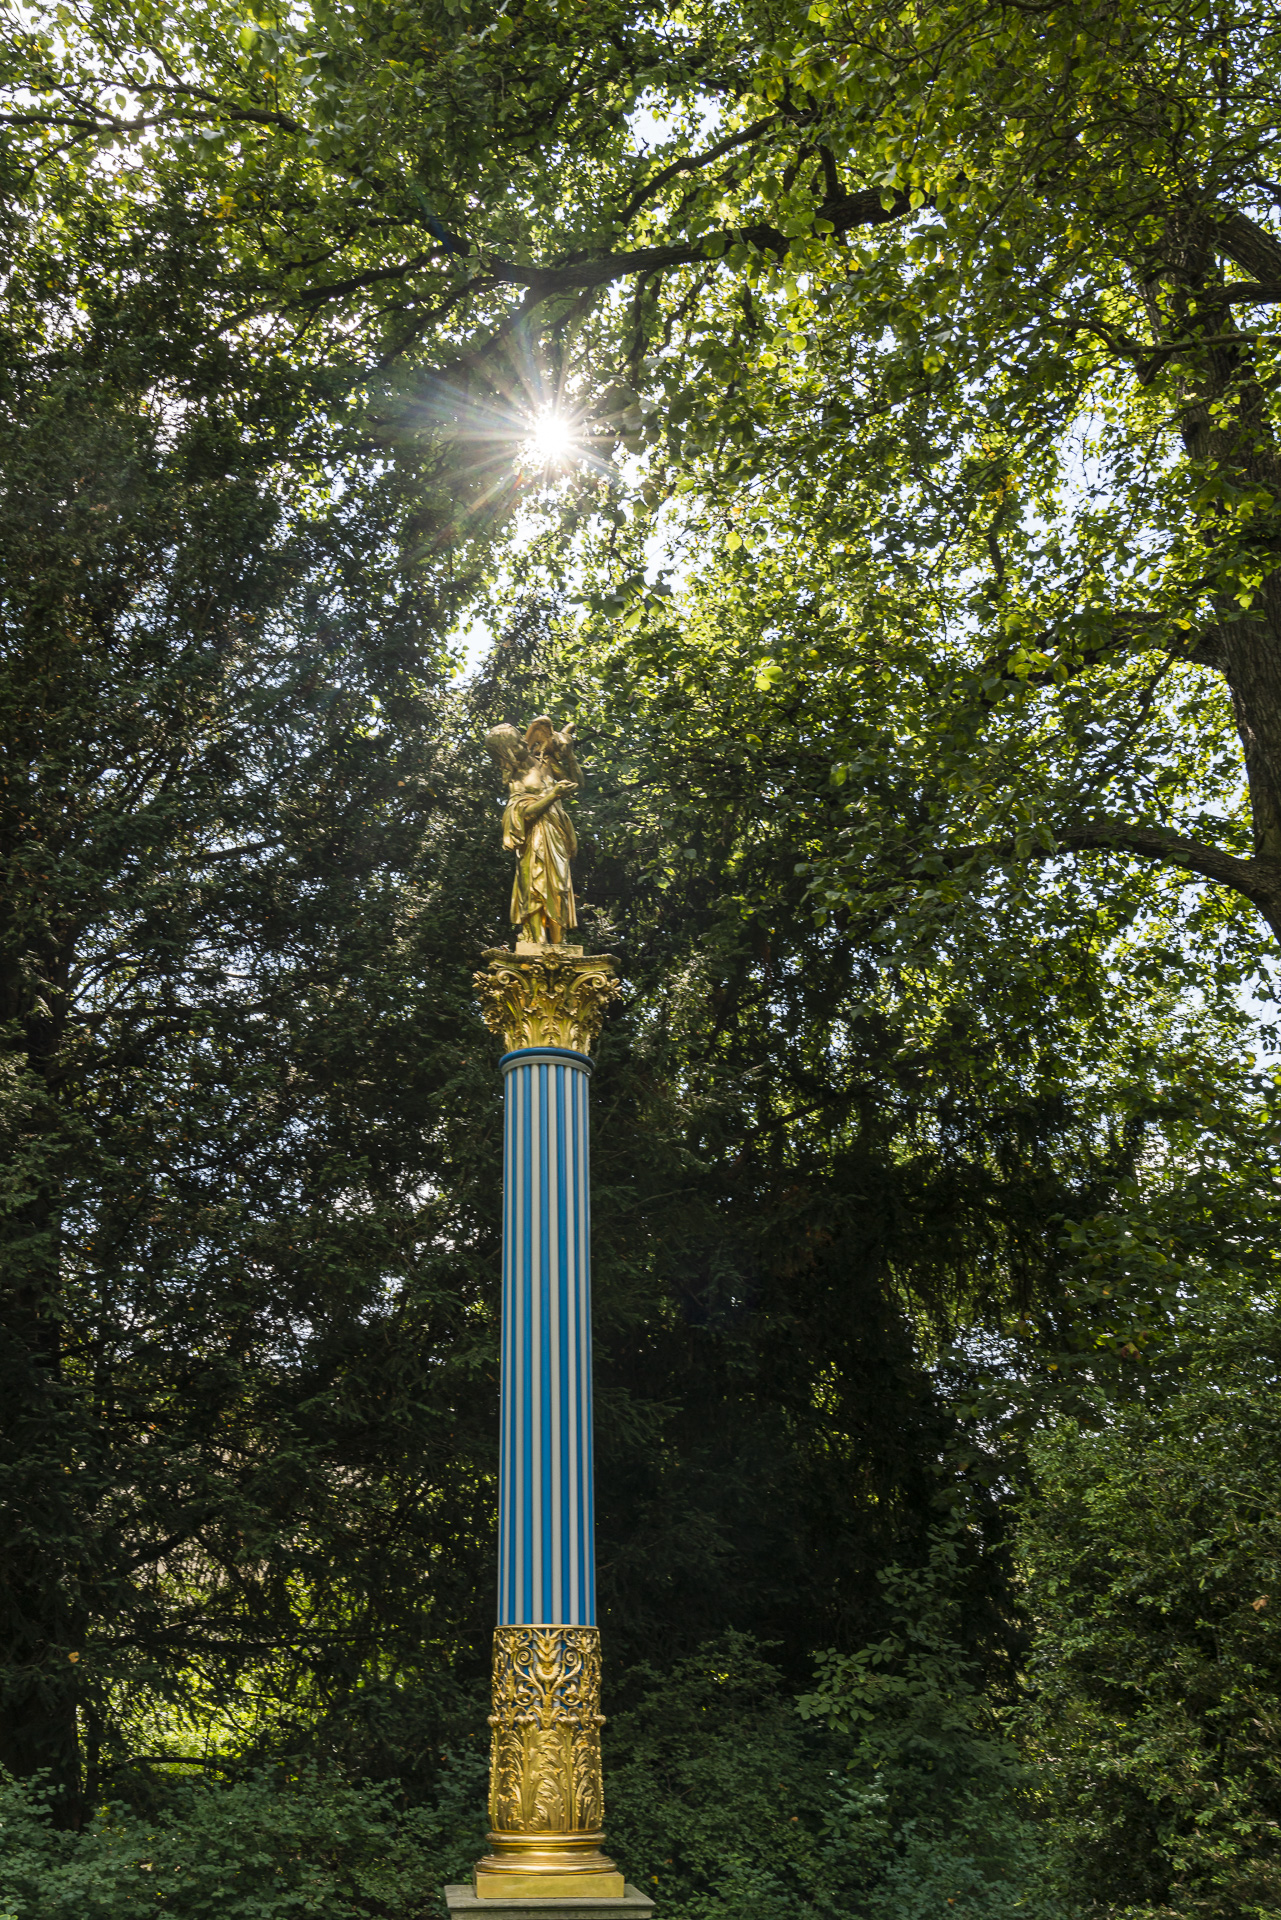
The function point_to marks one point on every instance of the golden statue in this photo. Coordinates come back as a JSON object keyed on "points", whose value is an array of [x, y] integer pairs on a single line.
{"points": [[540, 770]]}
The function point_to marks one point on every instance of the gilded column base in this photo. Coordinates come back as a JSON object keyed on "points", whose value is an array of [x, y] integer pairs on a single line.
{"points": [[545, 1797], [547, 1866]]}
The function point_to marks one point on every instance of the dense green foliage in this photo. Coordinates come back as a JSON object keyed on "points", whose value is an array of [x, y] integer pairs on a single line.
{"points": [[912, 578], [1152, 1553], [209, 847], [719, 1795], [263, 1848]]}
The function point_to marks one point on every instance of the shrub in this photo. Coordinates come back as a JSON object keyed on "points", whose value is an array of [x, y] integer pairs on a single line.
{"points": [[267, 1847], [938, 1815], [717, 1794], [1152, 1556]]}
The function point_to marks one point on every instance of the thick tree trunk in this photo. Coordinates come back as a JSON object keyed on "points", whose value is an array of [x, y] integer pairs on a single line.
{"points": [[1252, 644], [1228, 429]]}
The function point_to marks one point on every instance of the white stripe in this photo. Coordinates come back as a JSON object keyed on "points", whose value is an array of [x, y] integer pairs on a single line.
{"points": [[537, 1465], [585, 1360], [504, 1385]]}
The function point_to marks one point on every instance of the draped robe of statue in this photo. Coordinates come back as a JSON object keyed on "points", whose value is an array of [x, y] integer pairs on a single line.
{"points": [[537, 828], [543, 839]]}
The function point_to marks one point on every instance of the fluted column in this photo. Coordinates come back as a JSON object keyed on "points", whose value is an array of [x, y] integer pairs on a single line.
{"points": [[546, 1538], [545, 1800]]}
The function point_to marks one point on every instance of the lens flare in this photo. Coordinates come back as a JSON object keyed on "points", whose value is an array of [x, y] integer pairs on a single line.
{"points": [[551, 438]]}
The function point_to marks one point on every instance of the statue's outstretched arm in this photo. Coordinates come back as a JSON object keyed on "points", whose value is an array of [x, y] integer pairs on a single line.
{"points": [[532, 805]]}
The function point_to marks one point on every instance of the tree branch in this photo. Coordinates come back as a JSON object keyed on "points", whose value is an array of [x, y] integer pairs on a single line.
{"points": [[694, 162], [1134, 633], [851, 210], [582, 274], [1252, 247], [1250, 290], [1258, 881]]}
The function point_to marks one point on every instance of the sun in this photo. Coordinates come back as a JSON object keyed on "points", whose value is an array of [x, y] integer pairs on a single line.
{"points": [[551, 438]]}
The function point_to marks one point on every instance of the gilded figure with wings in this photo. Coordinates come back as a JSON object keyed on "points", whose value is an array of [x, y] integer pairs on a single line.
{"points": [[541, 771]]}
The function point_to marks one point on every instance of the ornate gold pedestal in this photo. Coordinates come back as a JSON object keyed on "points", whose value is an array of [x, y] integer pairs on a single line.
{"points": [[545, 1801], [545, 1798]]}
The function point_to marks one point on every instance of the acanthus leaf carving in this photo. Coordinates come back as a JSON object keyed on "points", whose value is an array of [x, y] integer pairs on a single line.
{"points": [[548, 998], [545, 1768]]}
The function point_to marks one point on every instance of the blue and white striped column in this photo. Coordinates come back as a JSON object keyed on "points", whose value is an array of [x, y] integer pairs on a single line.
{"points": [[546, 1530]]}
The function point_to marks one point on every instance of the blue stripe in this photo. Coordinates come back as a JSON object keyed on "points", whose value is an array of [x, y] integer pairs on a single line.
{"points": [[525, 1571], [582, 1440], [506, 1462], [586, 1379], [544, 1349], [506, 1491]]}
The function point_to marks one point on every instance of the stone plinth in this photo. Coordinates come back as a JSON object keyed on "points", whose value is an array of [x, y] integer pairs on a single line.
{"points": [[463, 1902]]}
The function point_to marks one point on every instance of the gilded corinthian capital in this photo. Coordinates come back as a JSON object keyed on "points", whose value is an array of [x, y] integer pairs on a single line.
{"points": [[552, 997]]}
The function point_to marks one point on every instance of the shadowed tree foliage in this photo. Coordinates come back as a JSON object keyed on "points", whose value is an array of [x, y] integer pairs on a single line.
{"points": [[234, 980]]}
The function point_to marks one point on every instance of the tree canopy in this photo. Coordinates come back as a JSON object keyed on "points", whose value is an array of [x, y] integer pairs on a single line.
{"points": [[974, 301], [909, 566]]}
